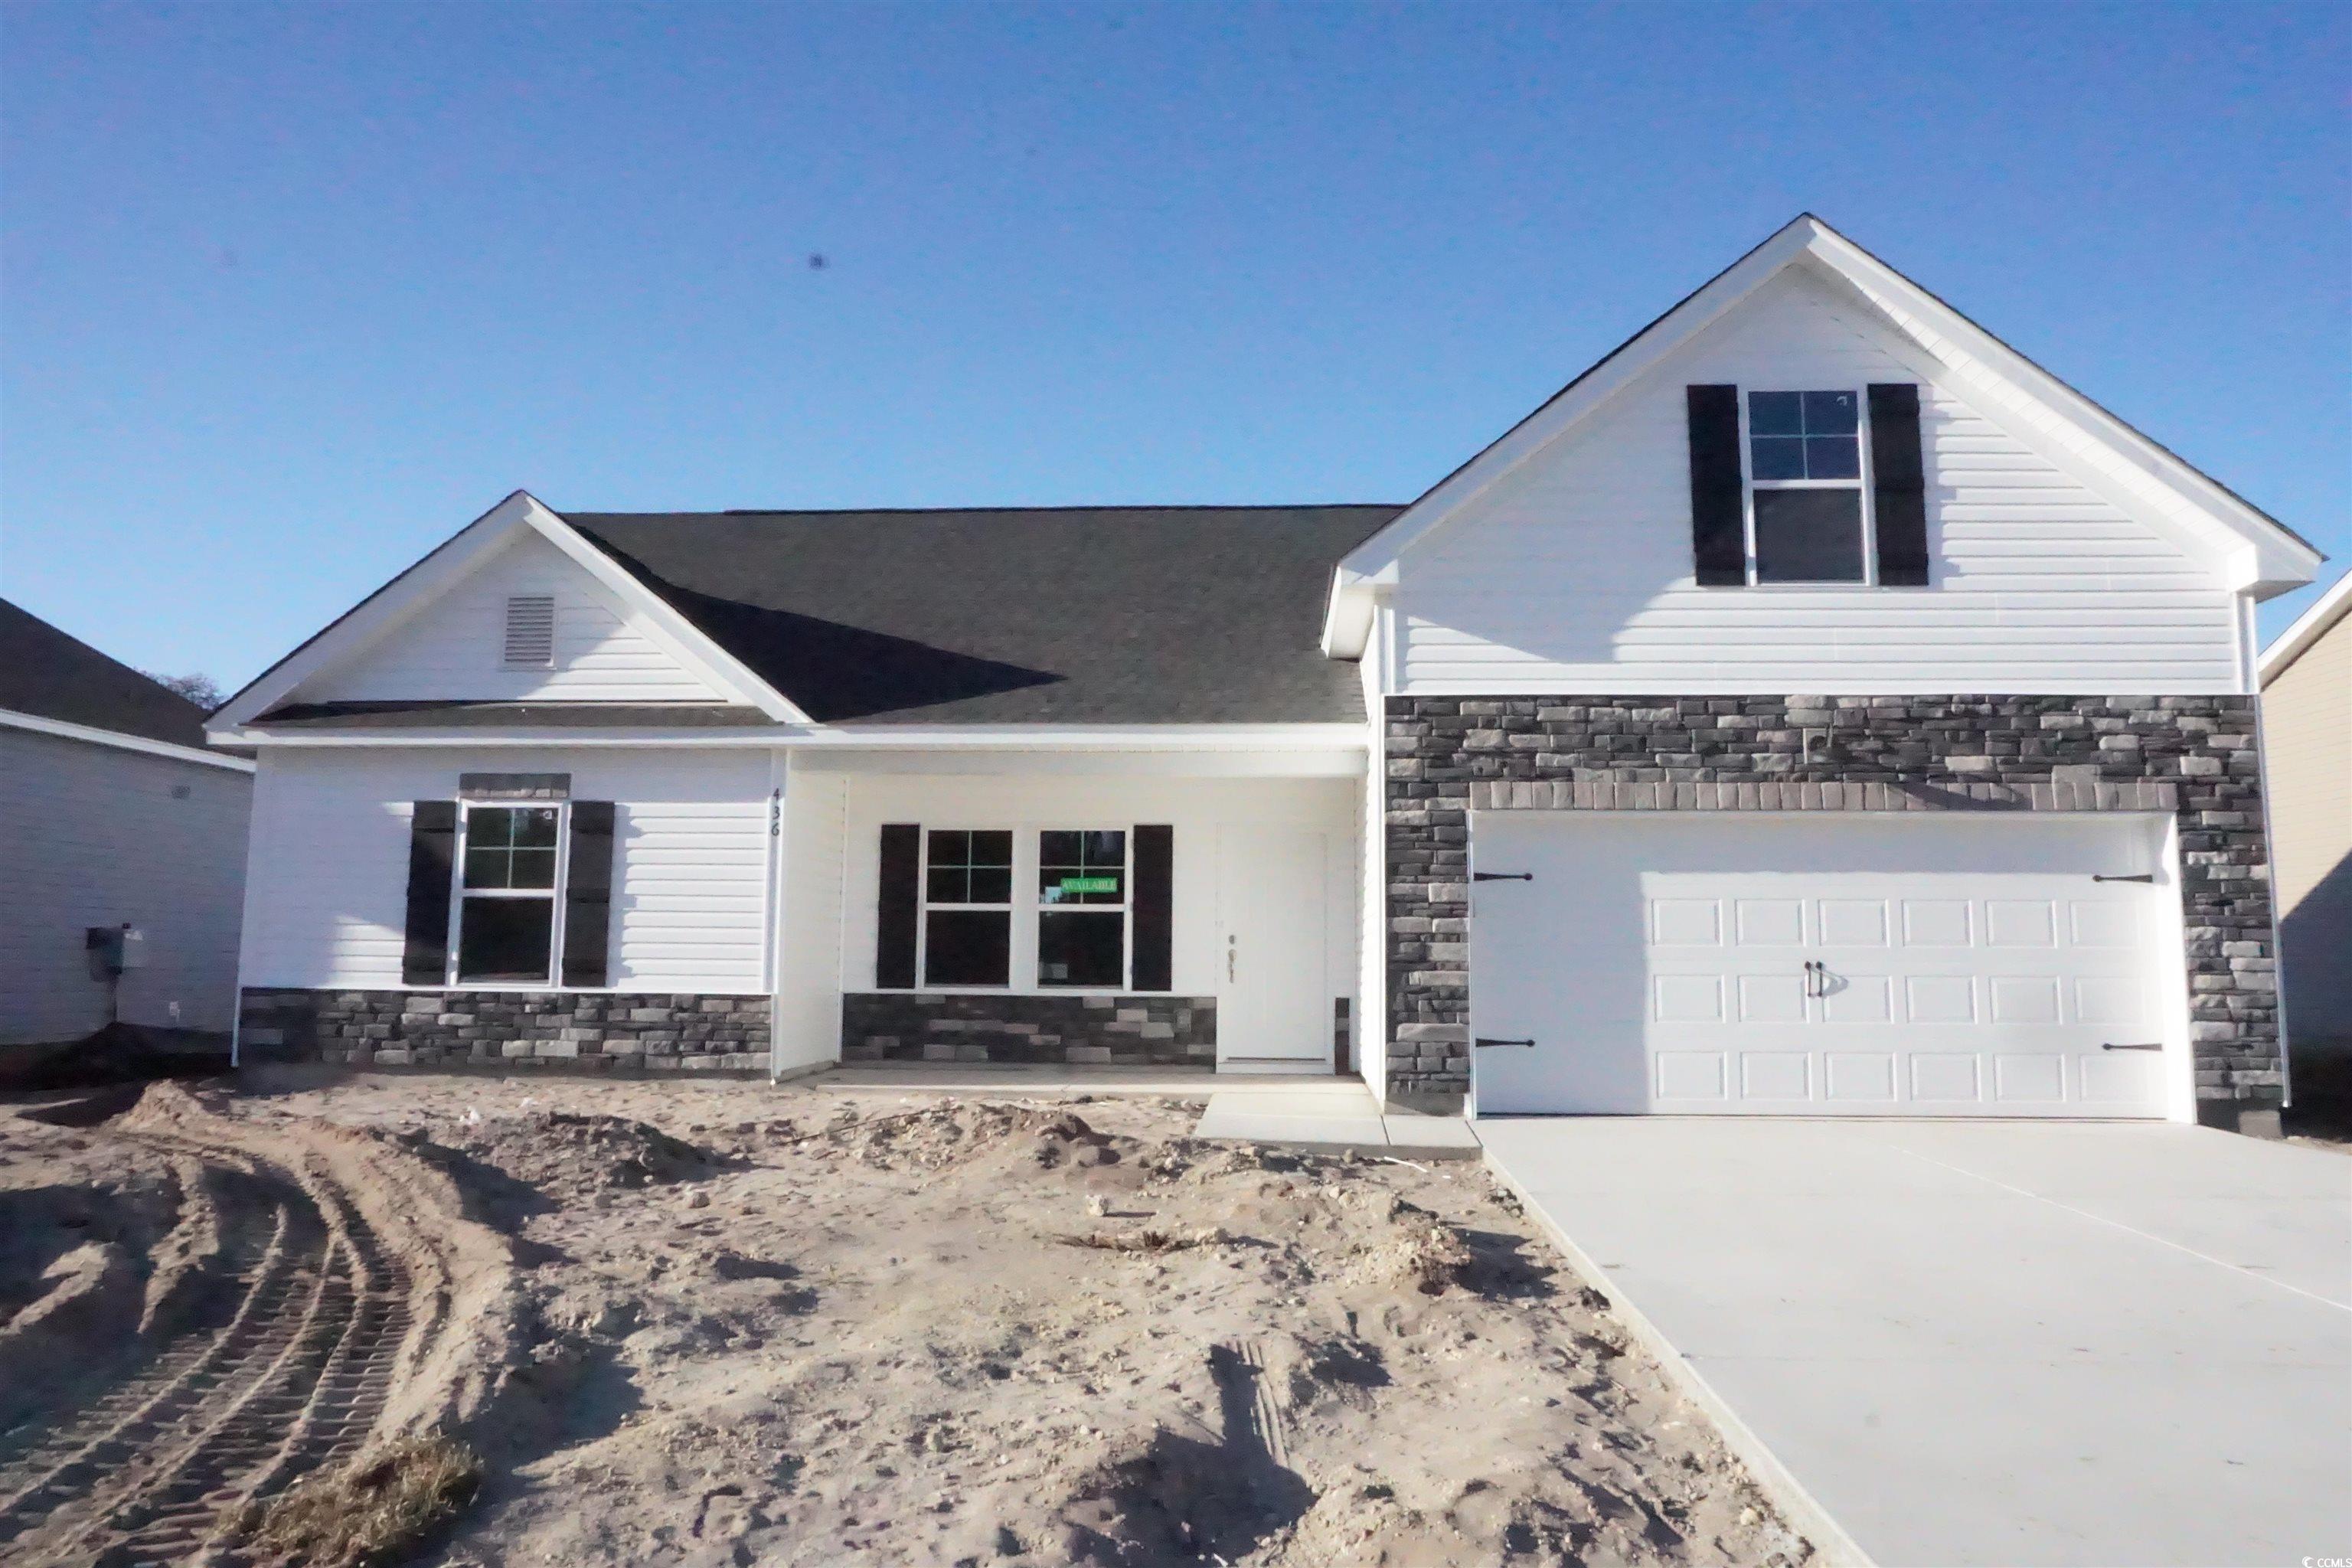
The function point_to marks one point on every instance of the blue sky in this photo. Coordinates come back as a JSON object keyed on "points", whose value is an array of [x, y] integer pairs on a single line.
{"points": [[290, 293]]}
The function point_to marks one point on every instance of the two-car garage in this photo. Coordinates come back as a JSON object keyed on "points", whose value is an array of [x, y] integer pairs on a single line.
{"points": [[1901, 963]]}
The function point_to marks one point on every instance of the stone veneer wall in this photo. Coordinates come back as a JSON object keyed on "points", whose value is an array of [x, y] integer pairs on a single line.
{"points": [[588, 1031], [2194, 756], [965, 1026]]}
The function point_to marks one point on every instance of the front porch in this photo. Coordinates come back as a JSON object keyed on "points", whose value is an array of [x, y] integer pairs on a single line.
{"points": [[1170, 912]]}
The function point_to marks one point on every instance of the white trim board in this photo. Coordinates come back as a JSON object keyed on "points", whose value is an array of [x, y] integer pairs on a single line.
{"points": [[115, 738], [1348, 738]]}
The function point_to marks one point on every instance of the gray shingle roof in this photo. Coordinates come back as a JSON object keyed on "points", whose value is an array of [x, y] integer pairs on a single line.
{"points": [[1070, 615], [50, 675]]}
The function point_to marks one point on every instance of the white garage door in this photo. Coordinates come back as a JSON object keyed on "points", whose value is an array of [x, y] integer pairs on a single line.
{"points": [[1884, 965]]}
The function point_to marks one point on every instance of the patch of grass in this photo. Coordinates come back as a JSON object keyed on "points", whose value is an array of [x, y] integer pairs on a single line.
{"points": [[1144, 1240], [373, 1511]]}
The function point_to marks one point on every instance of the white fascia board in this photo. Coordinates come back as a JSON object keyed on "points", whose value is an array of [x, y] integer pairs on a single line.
{"points": [[1349, 611], [116, 738], [2307, 628], [680, 638], [1349, 737], [2254, 552]]}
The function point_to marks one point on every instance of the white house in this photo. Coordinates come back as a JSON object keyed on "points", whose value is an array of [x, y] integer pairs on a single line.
{"points": [[113, 813], [1833, 712], [2306, 681]]}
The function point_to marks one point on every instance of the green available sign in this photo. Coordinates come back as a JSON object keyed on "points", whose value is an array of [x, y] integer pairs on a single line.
{"points": [[1090, 884]]}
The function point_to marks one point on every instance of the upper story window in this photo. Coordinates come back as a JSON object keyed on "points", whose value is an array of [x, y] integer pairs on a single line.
{"points": [[1806, 516], [530, 631]]}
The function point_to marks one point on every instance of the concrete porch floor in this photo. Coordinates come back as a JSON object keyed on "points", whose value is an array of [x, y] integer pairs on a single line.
{"points": [[1043, 1077]]}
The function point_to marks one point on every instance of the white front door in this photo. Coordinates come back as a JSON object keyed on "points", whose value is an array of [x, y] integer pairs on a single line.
{"points": [[1885, 964], [1272, 1013]]}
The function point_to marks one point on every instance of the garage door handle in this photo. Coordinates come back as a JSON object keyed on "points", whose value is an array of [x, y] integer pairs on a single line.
{"points": [[1483, 1042], [2133, 1046], [2136, 877]]}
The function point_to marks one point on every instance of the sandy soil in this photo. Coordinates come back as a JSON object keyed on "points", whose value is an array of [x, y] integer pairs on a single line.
{"points": [[726, 1324]]}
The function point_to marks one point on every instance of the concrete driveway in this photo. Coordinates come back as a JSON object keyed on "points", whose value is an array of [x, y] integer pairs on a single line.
{"points": [[1988, 1342]]}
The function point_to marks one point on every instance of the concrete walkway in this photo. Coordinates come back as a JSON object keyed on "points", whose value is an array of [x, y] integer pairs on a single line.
{"points": [[1981, 1342], [1335, 1115]]}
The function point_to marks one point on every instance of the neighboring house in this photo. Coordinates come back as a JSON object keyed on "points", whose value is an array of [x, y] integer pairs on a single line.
{"points": [[1841, 715], [112, 813], [2306, 679]]}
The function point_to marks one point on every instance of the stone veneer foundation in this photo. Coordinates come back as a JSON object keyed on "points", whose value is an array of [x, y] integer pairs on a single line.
{"points": [[581, 1031], [2193, 756], [964, 1027]]}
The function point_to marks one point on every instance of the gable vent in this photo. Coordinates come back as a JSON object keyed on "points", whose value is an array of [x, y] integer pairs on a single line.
{"points": [[530, 631]]}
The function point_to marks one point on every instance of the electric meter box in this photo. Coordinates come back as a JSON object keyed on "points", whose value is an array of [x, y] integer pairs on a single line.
{"points": [[114, 949]]}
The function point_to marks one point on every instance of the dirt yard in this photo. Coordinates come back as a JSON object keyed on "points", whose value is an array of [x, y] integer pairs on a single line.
{"points": [[721, 1324]]}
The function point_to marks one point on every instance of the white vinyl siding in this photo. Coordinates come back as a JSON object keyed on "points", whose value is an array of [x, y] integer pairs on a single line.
{"points": [[93, 834], [457, 647], [1574, 573], [1195, 808], [327, 897]]}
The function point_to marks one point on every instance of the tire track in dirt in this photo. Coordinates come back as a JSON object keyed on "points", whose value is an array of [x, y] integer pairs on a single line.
{"points": [[287, 1363]]}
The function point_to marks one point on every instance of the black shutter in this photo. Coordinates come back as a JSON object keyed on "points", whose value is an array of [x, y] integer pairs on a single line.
{"points": [[1898, 485], [1719, 523], [432, 847], [1155, 862], [894, 925], [588, 895]]}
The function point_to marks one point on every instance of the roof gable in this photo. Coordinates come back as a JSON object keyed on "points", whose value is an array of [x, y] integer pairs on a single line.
{"points": [[450, 649], [484, 540], [2251, 550]]}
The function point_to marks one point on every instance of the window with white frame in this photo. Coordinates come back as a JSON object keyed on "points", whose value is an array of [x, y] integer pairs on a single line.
{"points": [[509, 868], [1807, 520], [1082, 909], [973, 933], [967, 927]]}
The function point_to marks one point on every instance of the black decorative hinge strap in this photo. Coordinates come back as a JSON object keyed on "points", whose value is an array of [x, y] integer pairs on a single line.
{"points": [[2136, 877], [1502, 876], [1481, 1042]]}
